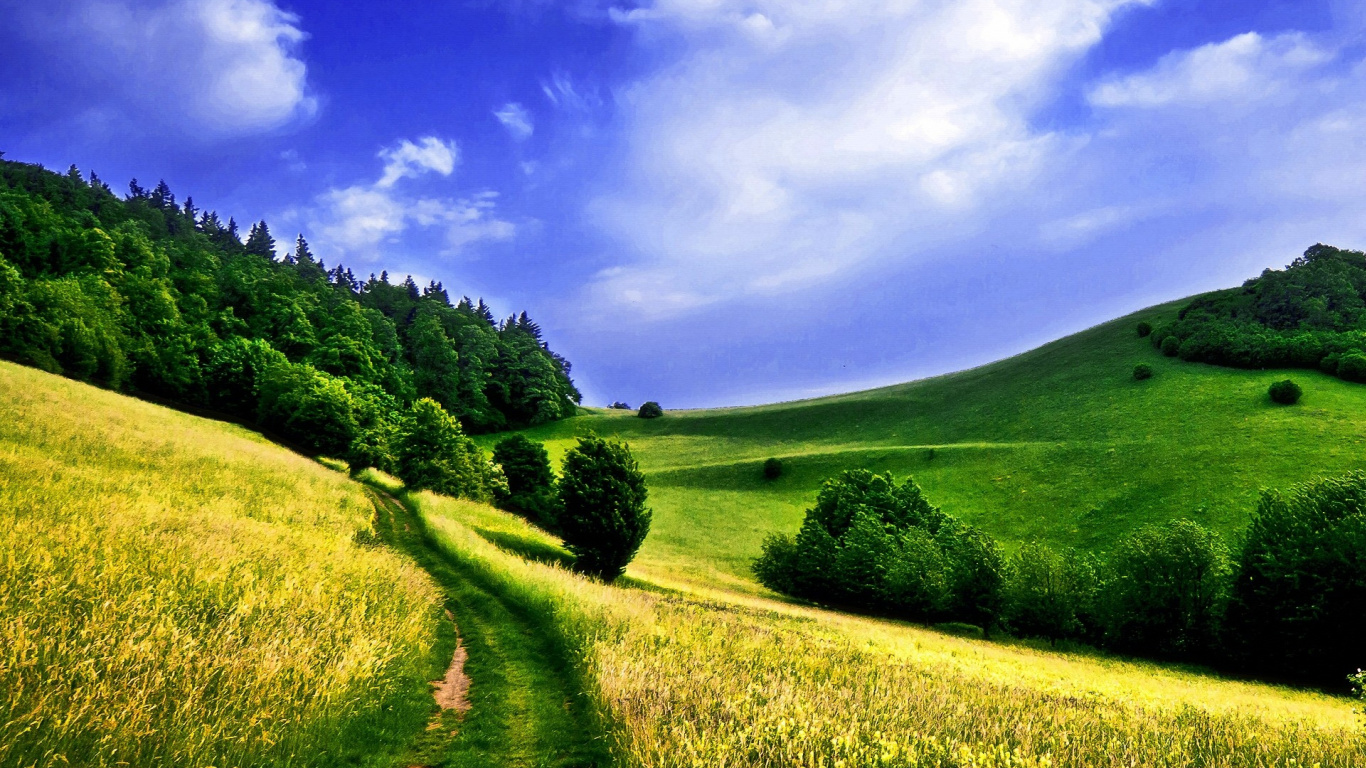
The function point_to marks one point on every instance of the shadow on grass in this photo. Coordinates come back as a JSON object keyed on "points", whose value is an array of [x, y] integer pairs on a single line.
{"points": [[531, 549]]}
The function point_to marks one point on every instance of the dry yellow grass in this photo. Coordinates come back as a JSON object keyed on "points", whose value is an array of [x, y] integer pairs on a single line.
{"points": [[742, 681], [175, 591]]}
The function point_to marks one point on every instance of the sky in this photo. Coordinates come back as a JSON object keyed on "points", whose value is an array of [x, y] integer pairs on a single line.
{"points": [[726, 202]]}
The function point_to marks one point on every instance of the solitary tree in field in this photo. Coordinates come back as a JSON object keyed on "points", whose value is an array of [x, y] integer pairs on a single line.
{"points": [[603, 516]]}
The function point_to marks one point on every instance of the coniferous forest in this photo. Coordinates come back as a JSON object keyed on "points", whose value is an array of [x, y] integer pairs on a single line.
{"points": [[151, 295]]}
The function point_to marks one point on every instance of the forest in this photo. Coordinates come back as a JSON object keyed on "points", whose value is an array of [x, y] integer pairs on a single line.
{"points": [[1312, 314], [155, 297]]}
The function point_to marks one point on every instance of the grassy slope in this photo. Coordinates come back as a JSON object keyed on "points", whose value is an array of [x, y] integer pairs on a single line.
{"points": [[176, 591], [1059, 444]]}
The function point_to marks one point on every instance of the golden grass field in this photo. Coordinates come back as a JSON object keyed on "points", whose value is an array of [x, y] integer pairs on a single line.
{"points": [[180, 592], [744, 681]]}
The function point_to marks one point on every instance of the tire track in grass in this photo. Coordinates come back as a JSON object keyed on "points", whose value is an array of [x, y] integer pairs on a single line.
{"points": [[526, 709]]}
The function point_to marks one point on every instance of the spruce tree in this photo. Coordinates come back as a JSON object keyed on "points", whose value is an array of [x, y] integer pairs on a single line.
{"points": [[259, 241]]}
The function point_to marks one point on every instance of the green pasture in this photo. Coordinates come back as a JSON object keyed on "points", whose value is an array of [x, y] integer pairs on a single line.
{"points": [[1059, 444]]}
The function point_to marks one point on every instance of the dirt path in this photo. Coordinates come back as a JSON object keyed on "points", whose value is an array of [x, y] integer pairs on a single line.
{"points": [[524, 705]]}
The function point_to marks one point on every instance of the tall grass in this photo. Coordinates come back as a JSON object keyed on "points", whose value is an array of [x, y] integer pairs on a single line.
{"points": [[698, 682], [175, 591]]}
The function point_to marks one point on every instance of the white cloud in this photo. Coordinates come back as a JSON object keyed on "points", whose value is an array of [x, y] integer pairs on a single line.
{"points": [[1242, 68], [209, 67], [408, 160], [359, 220], [561, 91], [793, 142], [516, 119]]}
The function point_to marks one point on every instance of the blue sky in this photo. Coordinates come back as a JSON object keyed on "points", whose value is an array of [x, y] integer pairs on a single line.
{"points": [[715, 202]]}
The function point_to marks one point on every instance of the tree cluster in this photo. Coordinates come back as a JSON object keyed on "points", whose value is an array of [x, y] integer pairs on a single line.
{"points": [[1312, 314], [155, 297], [597, 505], [1289, 607]]}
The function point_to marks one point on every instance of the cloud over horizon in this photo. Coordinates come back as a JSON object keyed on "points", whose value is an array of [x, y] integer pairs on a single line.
{"points": [[790, 143]]}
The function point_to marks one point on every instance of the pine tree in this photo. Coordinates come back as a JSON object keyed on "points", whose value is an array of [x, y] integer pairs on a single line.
{"points": [[135, 191], [162, 197], [259, 241]]}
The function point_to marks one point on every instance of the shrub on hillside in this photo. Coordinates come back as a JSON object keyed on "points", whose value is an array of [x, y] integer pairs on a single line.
{"points": [[431, 452], [1051, 595], [530, 483], [650, 410], [603, 516], [1329, 363], [873, 544], [373, 447], [777, 564], [773, 469], [619, 406], [1167, 591], [1297, 606], [1143, 371], [1144, 328], [1352, 367], [1171, 346], [1285, 392]]}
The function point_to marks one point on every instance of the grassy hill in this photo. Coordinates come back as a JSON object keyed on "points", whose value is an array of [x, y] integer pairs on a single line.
{"points": [[177, 591], [182, 592], [1058, 444]]}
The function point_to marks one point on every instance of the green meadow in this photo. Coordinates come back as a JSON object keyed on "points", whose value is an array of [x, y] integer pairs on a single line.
{"points": [[1059, 444]]}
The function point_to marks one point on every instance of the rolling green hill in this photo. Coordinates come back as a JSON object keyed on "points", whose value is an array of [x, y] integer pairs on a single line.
{"points": [[1059, 444]]}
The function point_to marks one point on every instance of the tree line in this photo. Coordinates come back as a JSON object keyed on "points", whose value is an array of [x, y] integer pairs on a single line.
{"points": [[152, 296], [1312, 314], [1288, 605]]}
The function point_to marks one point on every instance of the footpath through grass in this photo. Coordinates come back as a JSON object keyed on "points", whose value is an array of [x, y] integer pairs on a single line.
{"points": [[527, 708]]}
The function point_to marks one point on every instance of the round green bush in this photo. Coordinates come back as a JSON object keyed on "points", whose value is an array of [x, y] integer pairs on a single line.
{"points": [[1171, 346], [1143, 371], [1285, 392], [650, 410], [1144, 329], [1329, 363], [1352, 367], [773, 469]]}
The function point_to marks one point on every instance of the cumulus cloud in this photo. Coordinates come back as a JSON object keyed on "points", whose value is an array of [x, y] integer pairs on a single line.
{"points": [[209, 67], [361, 219], [791, 142], [408, 160], [516, 119]]}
